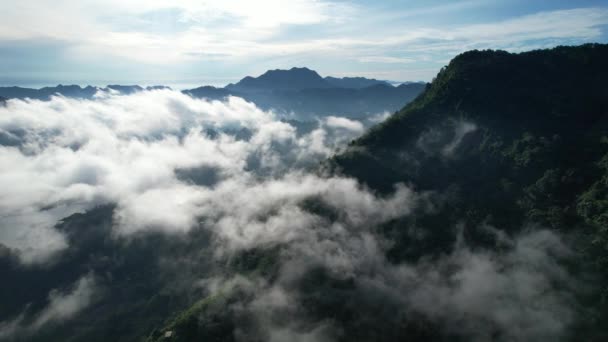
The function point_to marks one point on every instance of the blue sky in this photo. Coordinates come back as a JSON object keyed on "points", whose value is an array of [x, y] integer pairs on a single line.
{"points": [[186, 43]]}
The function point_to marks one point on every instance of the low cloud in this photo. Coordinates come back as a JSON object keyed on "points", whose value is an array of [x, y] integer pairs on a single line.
{"points": [[338, 122], [445, 139], [522, 293], [177, 165], [62, 306], [519, 291], [69, 155]]}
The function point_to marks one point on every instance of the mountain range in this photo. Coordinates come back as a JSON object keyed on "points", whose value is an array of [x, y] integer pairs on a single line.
{"points": [[304, 92], [298, 90], [509, 143], [506, 157], [74, 91]]}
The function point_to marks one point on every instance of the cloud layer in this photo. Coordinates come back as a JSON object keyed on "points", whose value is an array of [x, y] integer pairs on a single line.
{"points": [[164, 41], [144, 152], [247, 182]]}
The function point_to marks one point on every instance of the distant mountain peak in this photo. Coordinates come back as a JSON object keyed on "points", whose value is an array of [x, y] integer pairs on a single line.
{"points": [[298, 78], [354, 82], [72, 90], [280, 79]]}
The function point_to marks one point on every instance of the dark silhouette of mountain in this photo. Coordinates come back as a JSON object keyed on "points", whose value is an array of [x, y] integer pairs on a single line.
{"points": [[353, 82], [74, 91], [303, 92], [209, 92], [299, 79], [297, 90], [46, 92], [292, 79], [513, 141], [353, 102]]}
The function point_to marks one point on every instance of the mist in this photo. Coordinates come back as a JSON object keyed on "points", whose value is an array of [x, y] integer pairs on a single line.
{"points": [[199, 185]]}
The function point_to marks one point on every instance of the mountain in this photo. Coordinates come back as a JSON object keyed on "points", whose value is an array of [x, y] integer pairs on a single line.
{"points": [[209, 92], [303, 92], [353, 82], [504, 144], [292, 79], [500, 164], [502, 94], [512, 141], [298, 93], [299, 79], [74, 91]]}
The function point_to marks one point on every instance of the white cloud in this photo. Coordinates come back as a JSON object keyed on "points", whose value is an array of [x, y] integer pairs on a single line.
{"points": [[244, 30], [523, 293], [62, 306], [520, 290], [339, 122], [74, 154], [385, 59], [221, 28]]}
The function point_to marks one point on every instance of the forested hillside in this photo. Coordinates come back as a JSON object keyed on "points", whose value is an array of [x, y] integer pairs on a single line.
{"points": [[510, 151]]}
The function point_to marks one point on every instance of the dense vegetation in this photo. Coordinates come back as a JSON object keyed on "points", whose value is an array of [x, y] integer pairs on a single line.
{"points": [[536, 147], [498, 143], [535, 152], [511, 141]]}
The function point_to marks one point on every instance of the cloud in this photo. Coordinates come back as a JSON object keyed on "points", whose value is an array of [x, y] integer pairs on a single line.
{"points": [[235, 28], [345, 123], [377, 118], [460, 131], [256, 214], [239, 31], [520, 289], [385, 59], [62, 306], [521, 294], [444, 139], [181, 166], [68, 155]]}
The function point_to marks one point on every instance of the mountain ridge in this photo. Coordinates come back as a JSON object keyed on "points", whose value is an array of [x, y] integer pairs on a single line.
{"points": [[297, 91], [502, 144], [72, 90], [498, 146], [303, 91]]}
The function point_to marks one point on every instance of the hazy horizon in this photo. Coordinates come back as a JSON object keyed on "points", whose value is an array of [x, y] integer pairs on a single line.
{"points": [[174, 85], [184, 43]]}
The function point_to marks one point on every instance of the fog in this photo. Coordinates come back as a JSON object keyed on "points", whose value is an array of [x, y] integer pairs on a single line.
{"points": [[67, 155], [171, 164]]}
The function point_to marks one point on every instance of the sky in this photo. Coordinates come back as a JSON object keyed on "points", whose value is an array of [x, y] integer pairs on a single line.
{"points": [[188, 43]]}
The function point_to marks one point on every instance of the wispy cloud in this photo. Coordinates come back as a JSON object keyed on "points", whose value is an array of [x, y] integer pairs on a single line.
{"points": [[254, 35], [62, 306], [385, 59]]}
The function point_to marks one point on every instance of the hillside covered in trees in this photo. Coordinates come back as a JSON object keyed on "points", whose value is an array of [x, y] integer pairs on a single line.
{"points": [[504, 145], [477, 212]]}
